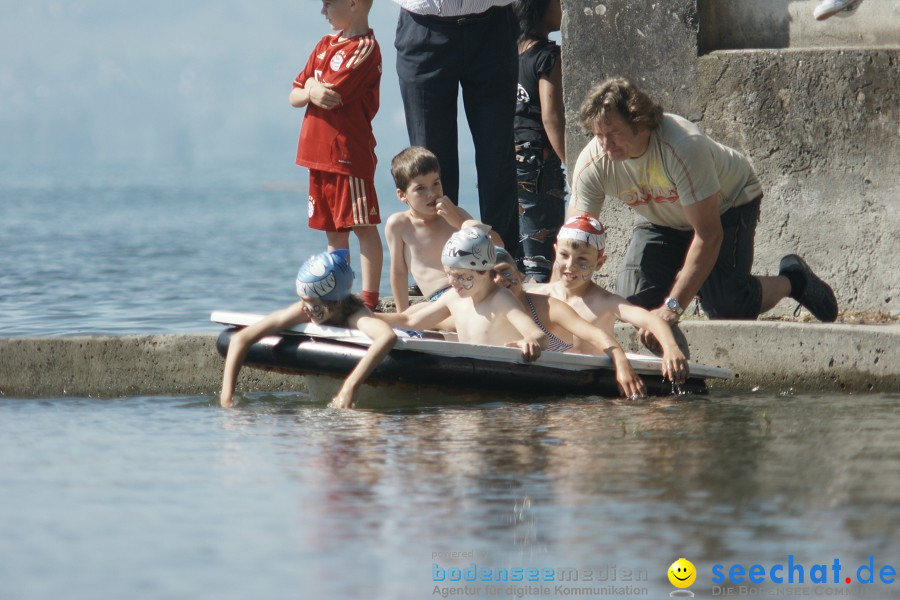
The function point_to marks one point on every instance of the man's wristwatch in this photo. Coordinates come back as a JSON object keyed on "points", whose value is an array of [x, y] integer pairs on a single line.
{"points": [[673, 305]]}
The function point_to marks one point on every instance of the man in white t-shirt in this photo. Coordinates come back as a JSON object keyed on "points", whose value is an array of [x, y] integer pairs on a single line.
{"points": [[697, 203]]}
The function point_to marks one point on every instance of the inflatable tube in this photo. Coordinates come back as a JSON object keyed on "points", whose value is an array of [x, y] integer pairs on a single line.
{"points": [[303, 353]]}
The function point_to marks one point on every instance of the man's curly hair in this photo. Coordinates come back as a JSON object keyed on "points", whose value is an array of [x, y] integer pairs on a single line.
{"points": [[621, 95]]}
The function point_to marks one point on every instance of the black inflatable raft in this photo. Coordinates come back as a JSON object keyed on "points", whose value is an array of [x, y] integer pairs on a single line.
{"points": [[317, 350]]}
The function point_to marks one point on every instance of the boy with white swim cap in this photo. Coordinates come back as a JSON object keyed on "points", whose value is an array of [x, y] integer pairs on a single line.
{"points": [[483, 312], [579, 254], [323, 283]]}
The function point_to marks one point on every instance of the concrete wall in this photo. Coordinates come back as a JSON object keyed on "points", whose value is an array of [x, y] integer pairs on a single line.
{"points": [[108, 367], [748, 24], [818, 118]]}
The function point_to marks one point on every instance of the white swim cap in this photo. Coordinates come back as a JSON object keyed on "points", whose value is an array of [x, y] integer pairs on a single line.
{"points": [[585, 229], [469, 248]]}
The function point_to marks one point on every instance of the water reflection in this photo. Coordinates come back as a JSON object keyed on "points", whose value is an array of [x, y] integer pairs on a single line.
{"points": [[329, 503], [591, 482]]}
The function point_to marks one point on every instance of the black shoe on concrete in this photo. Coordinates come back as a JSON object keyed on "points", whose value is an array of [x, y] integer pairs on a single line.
{"points": [[817, 296]]}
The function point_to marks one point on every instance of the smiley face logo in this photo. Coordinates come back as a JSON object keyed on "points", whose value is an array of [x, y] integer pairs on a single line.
{"points": [[682, 573]]}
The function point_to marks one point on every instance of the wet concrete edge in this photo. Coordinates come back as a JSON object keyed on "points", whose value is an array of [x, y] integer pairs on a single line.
{"points": [[770, 355]]}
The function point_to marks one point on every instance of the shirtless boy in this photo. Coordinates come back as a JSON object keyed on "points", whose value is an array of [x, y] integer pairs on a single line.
{"points": [[484, 312], [579, 253], [415, 236]]}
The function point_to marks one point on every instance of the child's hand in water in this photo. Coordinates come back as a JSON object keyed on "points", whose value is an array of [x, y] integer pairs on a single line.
{"points": [[226, 399], [631, 386], [345, 398], [674, 365]]}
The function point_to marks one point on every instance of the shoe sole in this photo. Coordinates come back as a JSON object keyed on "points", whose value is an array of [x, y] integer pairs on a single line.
{"points": [[849, 10]]}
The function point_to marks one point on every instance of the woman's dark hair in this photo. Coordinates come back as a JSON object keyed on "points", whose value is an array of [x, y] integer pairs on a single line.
{"points": [[530, 13]]}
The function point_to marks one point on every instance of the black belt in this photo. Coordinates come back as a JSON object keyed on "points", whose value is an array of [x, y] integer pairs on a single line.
{"points": [[463, 20]]}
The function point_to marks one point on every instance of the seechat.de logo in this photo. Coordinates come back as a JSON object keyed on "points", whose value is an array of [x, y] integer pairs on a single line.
{"points": [[795, 572]]}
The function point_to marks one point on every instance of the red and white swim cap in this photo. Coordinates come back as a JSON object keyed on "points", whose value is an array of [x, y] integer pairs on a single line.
{"points": [[584, 228]]}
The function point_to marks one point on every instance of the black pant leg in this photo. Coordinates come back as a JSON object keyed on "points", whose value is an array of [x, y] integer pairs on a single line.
{"points": [[429, 57], [489, 85]]}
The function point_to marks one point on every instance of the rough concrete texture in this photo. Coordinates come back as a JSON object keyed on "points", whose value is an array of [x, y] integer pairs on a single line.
{"points": [[820, 125], [107, 367], [739, 24], [799, 356], [822, 131], [809, 357]]}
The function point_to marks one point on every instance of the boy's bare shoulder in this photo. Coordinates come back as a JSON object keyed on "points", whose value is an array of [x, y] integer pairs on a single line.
{"points": [[503, 298], [398, 220], [541, 289], [600, 296]]}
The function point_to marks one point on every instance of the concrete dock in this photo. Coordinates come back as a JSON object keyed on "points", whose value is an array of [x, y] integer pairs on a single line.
{"points": [[771, 355]]}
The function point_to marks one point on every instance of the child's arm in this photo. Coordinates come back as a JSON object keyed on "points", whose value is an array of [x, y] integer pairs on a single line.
{"points": [[358, 75], [674, 364], [383, 340], [533, 339], [308, 89], [553, 114], [566, 317], [399, 270], [426, 318], [316, 92], [453, 214], [243, 339], [532, 342]]}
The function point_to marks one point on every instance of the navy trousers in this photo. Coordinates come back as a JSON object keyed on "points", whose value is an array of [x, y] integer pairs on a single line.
{"points": [[436, 56]]}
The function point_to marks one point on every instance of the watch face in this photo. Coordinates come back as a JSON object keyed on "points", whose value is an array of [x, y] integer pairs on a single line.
{"points": [[672, 304]]}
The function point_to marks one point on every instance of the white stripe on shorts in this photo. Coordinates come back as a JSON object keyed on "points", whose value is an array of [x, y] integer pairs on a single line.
{"points": [[360, 202]]}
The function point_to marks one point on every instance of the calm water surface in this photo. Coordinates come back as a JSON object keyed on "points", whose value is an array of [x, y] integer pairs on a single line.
{"points": [[284, 498], [130, 251]]}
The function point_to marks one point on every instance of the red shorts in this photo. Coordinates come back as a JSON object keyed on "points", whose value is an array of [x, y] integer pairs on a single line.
{"points": [[340, 202]]}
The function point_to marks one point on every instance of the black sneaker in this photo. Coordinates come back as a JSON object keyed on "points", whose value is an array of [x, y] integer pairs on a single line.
{"points": [[817, 297]]}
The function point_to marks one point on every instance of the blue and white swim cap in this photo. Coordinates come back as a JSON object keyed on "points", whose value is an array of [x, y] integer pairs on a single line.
{"points": [[327, 276]]}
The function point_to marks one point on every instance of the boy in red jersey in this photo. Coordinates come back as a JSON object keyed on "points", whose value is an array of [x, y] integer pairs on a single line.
{"points": [[339, 88]]}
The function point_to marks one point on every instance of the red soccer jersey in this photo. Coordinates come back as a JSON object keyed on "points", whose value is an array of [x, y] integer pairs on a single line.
{"points": [[340, 140]]}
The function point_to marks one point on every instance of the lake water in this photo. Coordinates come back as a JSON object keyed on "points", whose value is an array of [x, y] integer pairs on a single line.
{"points": [[124, 251], [282, 497]]}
